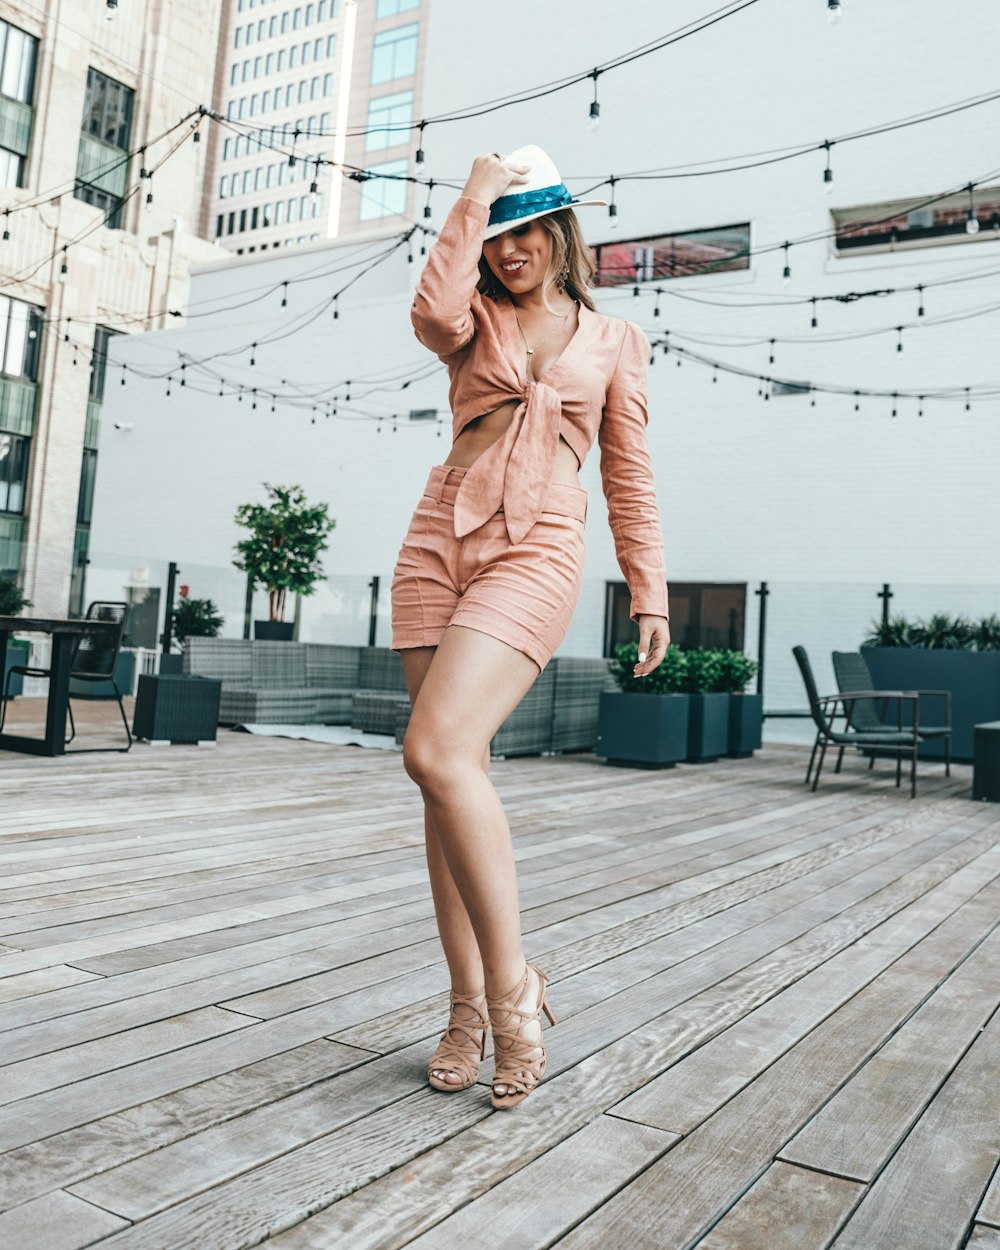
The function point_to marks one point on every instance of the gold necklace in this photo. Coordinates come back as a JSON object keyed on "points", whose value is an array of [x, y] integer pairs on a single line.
{"points": [[531, 350]]}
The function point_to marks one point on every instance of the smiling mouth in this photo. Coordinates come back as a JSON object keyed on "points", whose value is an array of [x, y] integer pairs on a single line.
{"points": [[513, 266]]}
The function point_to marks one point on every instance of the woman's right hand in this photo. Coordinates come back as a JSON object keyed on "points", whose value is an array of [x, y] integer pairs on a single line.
{"points": [[490, 177]]}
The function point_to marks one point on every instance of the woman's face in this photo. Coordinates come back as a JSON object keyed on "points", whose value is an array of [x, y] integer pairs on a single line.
{"points": [[519, 258]]}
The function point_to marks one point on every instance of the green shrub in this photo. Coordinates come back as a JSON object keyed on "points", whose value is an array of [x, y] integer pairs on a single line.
{"points": [[738, 670], [705, 671], [668, 678], [12, 600], [939, 632], [195, 618]]}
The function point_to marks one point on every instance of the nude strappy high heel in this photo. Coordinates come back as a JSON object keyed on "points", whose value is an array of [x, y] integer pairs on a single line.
{"points": [[459, 1050], [520, 1059]]}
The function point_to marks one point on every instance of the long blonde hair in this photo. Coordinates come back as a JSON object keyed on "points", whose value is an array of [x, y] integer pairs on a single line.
{"points": [[571, 260]]}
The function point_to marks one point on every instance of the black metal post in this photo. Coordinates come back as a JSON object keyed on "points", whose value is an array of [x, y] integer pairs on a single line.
{"points": [[373, 616], [166, 638], [248, 608], [885, 594], [763, 592]]}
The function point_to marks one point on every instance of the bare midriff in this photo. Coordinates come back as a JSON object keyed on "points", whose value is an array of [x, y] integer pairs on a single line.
{"points": [[482, 432]]}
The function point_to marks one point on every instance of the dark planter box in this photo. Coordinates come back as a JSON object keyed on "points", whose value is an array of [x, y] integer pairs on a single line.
{"points": [[177, 709], [171, 665], [973, 677], [17, 653], [642, 730], [746, 720], [124, 674], [708, 728], [274, 631]]}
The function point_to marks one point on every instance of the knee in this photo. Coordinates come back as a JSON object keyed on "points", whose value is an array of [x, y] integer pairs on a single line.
{"points": [[432, 762]]}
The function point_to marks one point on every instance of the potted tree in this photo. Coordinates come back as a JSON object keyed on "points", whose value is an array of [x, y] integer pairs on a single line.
{"points": [[746, 711], [941, 652], [12, 602], [282, 551], [708, 725], [644, 724]]}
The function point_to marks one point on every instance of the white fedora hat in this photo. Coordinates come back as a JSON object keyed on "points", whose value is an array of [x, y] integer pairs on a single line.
{"points": [[543, 193]]}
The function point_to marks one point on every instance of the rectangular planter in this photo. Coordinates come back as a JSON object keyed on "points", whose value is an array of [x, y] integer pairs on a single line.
{"points": [[177, 709], [973, 677], [746, 720], [708, 728], [273, 631], [17, 654], [642, 730]]}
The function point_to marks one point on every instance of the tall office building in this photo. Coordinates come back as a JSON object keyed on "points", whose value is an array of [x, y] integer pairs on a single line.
{"points": [[91, 247], [330, 80]]}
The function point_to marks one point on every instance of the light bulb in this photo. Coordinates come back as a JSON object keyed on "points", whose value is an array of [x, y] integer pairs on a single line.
{"points": [[149, 202], [112, 9], [828, 181], [972, 223], [786, 276], [595, 115], [833, 11]]}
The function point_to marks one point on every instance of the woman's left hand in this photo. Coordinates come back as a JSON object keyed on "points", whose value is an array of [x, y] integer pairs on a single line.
{"points": [[654, 638]]}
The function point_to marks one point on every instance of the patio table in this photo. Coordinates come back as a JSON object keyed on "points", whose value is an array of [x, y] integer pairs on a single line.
{"points": [[64, 634]]}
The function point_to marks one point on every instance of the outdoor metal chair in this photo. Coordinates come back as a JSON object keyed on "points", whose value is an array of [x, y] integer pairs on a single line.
{"points": [[852, 673], [904, 740], [94, 659]]}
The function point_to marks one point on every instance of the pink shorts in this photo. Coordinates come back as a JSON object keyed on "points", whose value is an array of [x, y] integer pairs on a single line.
{"points": [[523, 594]]}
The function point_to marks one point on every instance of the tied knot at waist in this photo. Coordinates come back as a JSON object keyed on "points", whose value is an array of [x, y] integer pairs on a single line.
{"points": [[514, 472]]}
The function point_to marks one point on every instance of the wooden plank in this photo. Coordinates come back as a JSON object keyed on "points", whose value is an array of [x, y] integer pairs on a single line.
{"points": [[693, 1089], [984, 1238], [928, 1193], [789, 1208], [56, 1221], [857, 1131], [713, 1166], [527, 1210], [55, 977], [989, 1211]]}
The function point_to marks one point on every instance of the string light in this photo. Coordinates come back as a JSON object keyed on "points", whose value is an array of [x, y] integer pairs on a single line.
{"points": [[149, 193], [920, 292], [770, 359], [828, 172], [895, 399], [418, 160], [595, 108], [427, 206], [971, 221], [813, 323], [284, 295], [64, 269], [899, 340], [786, 273], [112, 9], [6, 224], [612, 206], [833, 11]]}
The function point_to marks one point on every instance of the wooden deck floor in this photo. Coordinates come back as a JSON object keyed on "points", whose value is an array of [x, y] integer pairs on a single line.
{"points": [[220, 983]]}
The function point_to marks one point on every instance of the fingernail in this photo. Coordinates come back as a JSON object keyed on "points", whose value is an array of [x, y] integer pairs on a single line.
{"points": [[642, 657]]}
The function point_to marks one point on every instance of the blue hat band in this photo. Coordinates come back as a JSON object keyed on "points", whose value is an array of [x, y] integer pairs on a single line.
{"points": [[525, 203]]}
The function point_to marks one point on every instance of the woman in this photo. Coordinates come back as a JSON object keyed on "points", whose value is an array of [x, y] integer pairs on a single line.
{"points": [[489, 572]]}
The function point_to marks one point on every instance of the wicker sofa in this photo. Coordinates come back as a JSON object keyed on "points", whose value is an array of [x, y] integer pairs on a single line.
{"points": [[287, 683]]}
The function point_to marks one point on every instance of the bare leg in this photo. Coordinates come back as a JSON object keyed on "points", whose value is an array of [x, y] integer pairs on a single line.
{"points": [[461, 950], [468, 689]]}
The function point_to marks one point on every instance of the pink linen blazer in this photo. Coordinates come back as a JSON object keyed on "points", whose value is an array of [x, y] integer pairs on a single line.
{"points": [[596, 388]]}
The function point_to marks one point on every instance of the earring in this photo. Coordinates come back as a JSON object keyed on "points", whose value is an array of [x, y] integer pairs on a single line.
{"points": [[563, 278]]}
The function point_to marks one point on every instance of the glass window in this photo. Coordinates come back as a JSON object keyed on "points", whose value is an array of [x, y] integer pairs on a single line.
{"points": [[261, 29], [304, 207], [317, 205], [272, 173], [694, 252], [243, 220], [293, 211], [265, 218], [389, 8], [227, 149], [230, 223], [13, 471], [321, 11], [254, 104], [394, 53], [253, 218], [218, 225], [327, 84], [284, 22], [99, 363], [279, 213], [314, 89], [223, 184], [303, 90], [293, 56], [324, 122], [272, 27], [107, 110], [238, 40], [243, 107], [389, 118], [269, 64], [384, 194], [258, 66], [234, 73], [281, 60], [914, 223], [306, 53], [282, 174], [289, 95], [309, 14], [258, 177], [250, 34], [239, 146], [20, 338], [296, 19], [265, 102], [331, 43], [231, 110], [317, 49], [234, 185]]}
